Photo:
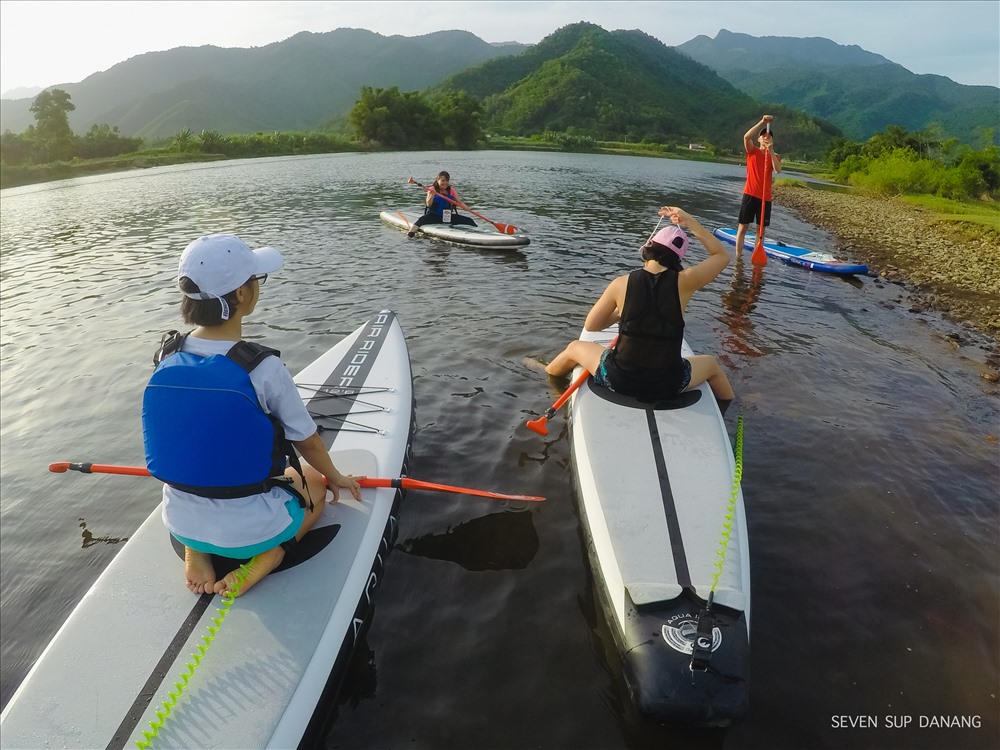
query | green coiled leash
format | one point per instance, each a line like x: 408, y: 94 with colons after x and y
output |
x: 206, y: 640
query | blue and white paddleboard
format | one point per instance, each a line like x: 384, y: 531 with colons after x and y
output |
x: 796, y: 256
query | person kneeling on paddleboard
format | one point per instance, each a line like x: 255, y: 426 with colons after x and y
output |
x: 648, y: 304
x: 438, y: 210
x: 220, y: 416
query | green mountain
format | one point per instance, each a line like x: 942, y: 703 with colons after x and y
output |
x: 622, y: 85
x: 299, y: 83
x: 859, y: 91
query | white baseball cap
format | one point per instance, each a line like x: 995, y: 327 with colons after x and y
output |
x: 222, y: 263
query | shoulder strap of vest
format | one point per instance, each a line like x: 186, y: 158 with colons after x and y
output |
x: 248, y: 354
x: 170, y: 342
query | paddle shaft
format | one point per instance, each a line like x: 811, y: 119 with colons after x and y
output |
x: 538, y: 425
x: 759, y: 256
x: 573, y: 387
x: 502, y: 228
x: 400, y: 482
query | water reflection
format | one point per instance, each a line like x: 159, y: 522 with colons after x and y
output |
x: 89, y: 540
x: 738, y: 304
x: 869, y: 433
x: 498, y: 541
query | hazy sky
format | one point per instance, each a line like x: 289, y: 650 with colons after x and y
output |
x: 44, y: 42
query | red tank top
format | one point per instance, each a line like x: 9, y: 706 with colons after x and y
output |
x: 755, y: 173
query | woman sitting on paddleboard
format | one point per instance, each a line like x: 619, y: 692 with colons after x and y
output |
x: 219, y: 418
x: 438, y: 210
x: 648, y: 304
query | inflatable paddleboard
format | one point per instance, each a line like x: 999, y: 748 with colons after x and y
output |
x: 796, y: 256
x: 271, y: 673
x: 655, y: 484
x: 483, y: 235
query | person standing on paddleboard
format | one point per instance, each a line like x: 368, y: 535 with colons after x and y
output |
x: 437, y: 210
x: 757, y: 159
x: 221, y: 415
x: 648, y: 304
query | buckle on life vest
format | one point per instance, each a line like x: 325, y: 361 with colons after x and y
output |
x: 288, y: 484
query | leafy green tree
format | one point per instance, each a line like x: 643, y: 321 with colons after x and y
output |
x: 889, y: 140
x: 839, y: 149
x: 460, y: 117
x: 104, y: 140
x: 52, y: 132
x: 15, y: 149
x: 390, y: 118
x: 986, y: 164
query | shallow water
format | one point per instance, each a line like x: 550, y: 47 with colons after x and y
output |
x: 870, y: 466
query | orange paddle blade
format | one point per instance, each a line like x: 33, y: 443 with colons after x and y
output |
x: 538, y: 425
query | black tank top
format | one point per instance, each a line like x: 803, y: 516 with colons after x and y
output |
x: 646, y: 362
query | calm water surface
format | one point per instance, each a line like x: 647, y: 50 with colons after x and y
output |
x: 871, y: 463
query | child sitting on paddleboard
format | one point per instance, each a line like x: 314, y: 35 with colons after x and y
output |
x: 757, y: 158
x: 648, y: 305
x: 437, y: 209
x: 220, y: 416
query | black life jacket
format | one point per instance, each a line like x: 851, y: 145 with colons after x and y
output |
x: 646, y: 361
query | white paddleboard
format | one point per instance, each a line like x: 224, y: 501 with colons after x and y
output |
x: 654, y: 483
x: 271, y: 673
x: 484, y: 235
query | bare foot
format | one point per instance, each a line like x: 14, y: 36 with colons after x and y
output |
x: 256, y: 569
x: 199, y: 573
x: 534, y: 363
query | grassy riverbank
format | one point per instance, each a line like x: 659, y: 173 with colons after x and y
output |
x: 62, y: 170
x: 947, y: 253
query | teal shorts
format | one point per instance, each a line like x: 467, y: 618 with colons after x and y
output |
x: 295, y: 510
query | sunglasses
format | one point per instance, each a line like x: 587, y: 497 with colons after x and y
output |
x: 261, y: 278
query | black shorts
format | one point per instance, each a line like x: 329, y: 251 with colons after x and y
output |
x: 750, y: 211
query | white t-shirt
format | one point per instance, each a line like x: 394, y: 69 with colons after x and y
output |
x: 241, y: 521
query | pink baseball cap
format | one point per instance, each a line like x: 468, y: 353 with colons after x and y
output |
x: 673, y: 238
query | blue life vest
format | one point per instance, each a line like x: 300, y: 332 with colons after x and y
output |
x: 439, y: 204
x: 203, y: 427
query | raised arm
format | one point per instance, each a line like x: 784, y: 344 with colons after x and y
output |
x: 751, y: 134
x: 694, y: 278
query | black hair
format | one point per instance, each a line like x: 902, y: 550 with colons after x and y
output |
x: 662, y: 255
x: 204, y: 312
x: 441, y: 174
x: 765, y: 131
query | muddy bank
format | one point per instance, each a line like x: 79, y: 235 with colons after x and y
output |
x: 946, y: 267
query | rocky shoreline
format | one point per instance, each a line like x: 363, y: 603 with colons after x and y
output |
x: 945, y: 266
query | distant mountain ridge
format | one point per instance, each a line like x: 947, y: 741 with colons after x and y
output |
x: 859, y: 91
x: 580, y: 78
x: 621, y: 85
x: 299, y: 83
x: 23, y: 92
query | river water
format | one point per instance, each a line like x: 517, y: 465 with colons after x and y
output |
x: 870, y: 465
